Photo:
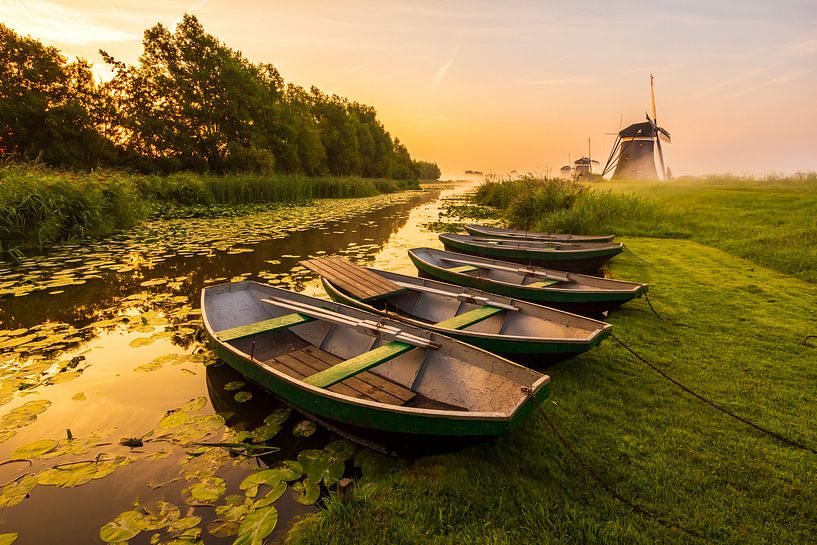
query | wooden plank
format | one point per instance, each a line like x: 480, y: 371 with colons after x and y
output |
x: 375, y: 284
x: 471, y: 317
x: 344, y: 282
x: 540, y: 284
x: 384, y: 384
x: 358, y: 383
x: 358, y: 281
x: 264, y: 326
x: 358, y: 364
x: 463, y: 268
x: 304, y: 371
x: 363, y: 274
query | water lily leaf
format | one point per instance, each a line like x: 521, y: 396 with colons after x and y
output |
x: 243, y: 397
x: 14, y: 493
x: 59, y: 378
x: 304, y: 428
x: 305, y: 492
x: 24, y: 414
x: 125, y: 526
x: 208, y: 490
x: 188, y: 537
x: 291, y: 470
x: 18, y: 341
x: 258, y: 525
x: 8, y: 539
x: 223, y: 528
x: 195, y: 404
x: 341, y: 448
x: 184, y: 524
x: 160, y: 514
x: 79, y: 396
x: 320, y: 465
x: 173, y: 419
x: 34, y: 449
x: 272, y: 496
x: 374, y: 464
x: 153, y: 282
x: 79, y: 473
x: 141, y: 341
x: 269, y: 477
x: 234, y: 385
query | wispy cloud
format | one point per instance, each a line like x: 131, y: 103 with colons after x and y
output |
x: 55, y: 23
x: 439, y: 75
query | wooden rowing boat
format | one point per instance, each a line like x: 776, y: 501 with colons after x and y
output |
x: 510, y: 327
x: 498, y: 232
x: 587, y: 295
x: 584, y: 257
x: 350, y: 366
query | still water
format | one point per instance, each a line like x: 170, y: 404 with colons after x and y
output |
x: 100, y: 342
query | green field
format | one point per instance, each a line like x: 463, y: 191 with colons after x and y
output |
x: 733, y: 331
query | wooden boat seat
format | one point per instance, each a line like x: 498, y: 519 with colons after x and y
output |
x: 264, y: 326
x: 354, y: 279
x: 540, y: 284
x: 471, y: 317
x: 353, y: 366
x: 463, y: 268
x: 306, y: 362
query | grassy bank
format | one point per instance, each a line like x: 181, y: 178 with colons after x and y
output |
x: 769, y: 221
x: 668, y: 453
x: 40, y: 206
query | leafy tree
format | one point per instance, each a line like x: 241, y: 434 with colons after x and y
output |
x: 49, y: 107
x: 427, y: 170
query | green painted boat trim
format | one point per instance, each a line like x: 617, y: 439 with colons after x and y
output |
x: 469, y: 318
x: 358, y: 364
x: 517, y: 234
x: 263, y: 326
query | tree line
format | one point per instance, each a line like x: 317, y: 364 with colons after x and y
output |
x: 190, y: 103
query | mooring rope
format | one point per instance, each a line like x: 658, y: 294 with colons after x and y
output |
x: 806, y: 343
x: 609, y: 489
x: 628, y: 250
x: 758, y: 427
x: 652, y: 308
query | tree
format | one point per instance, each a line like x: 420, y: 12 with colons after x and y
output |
x: 49, y: 107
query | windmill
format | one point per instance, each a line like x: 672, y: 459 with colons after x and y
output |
x: 633, y: 154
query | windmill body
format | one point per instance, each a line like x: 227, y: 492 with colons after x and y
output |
x: 633, y: 154
x: 636, y: 158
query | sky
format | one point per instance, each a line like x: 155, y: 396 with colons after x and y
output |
x: 513, y: 85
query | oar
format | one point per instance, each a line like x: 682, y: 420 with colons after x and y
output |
x: 523, y: 271
x: 366, y: 326
x: 467, y: 297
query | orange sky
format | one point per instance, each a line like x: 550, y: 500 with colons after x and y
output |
x: 514, y: 85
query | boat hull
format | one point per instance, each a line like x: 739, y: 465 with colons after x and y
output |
x: 531, y: 352
x: 514, y: 234
x: 586, y: 262
x: 586, y: 303
x: 373, y: 416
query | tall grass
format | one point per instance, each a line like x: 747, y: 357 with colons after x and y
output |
x: 39, y: 206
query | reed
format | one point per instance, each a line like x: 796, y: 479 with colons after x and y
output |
x: 39, y: 206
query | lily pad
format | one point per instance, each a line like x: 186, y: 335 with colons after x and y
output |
x: 320, y: 465
x: 272, y: 496
x: 243, y: 396
x: 160, y: 514
x: 208, y: 490
x: 125, y: 526
x: 79, y: 473
x: 234, y: 385
x: 8, y: 539
x: 341, y: 448
x: 305, y: 492
x: 257, y: 526
x: 304, y: 428
x: 34, y: 449
x: 14, y: 493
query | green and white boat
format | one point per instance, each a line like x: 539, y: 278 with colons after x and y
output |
x: 519, y: 234
x: 515, y: 329
x: 359, y: 369
x: 582, y: 294
x: 580, y: 257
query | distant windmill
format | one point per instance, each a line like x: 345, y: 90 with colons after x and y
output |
x: 633, y: 154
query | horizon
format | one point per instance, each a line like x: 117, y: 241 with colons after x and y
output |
x: 471, y: 86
